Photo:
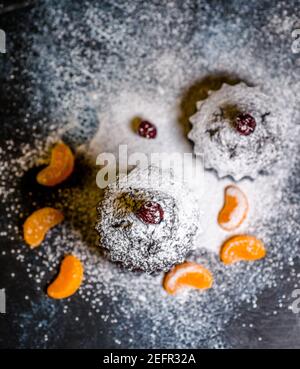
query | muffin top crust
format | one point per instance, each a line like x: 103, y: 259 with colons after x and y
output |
x: 237, y: 130
x: 147, y: 221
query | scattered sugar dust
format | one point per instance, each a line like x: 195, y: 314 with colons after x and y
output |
x: 116, y: 72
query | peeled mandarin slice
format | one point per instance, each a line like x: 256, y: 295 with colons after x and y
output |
x: 187, y: 275
x: 68, y: 280
x: 235, y: 209
x: 38, y: 224
x: 242, y: 248
x: 60, y: 168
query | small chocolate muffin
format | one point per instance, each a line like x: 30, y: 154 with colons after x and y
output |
x: 147, y: 221
x: 237, y: 130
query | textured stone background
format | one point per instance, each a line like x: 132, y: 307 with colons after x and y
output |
x: 50, y: 95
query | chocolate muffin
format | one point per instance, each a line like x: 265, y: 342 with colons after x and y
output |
x: 147, y: 221
x: 237, y: 130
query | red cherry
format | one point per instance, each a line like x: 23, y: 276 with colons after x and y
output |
x: 245, y: 124
x: 150, y: 213
x: 147, y: 129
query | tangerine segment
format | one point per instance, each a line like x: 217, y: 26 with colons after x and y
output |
x: 68, y: 280
x: 38, y: 224
x: 187, y: 275
x: 60, y: 168
x: 235, y: 209
x: 242, y: 248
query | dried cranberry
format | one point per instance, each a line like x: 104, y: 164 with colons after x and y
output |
x: 245, y: 124
x: 151, y: 213
x: 147, y: 129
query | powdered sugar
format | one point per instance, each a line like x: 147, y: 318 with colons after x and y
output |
x: 158, y: 71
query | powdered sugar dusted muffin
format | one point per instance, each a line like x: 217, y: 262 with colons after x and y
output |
x: 147, y: 220
x: 237, y: 129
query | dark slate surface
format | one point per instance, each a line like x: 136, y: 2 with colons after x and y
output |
x: 280, y: 330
